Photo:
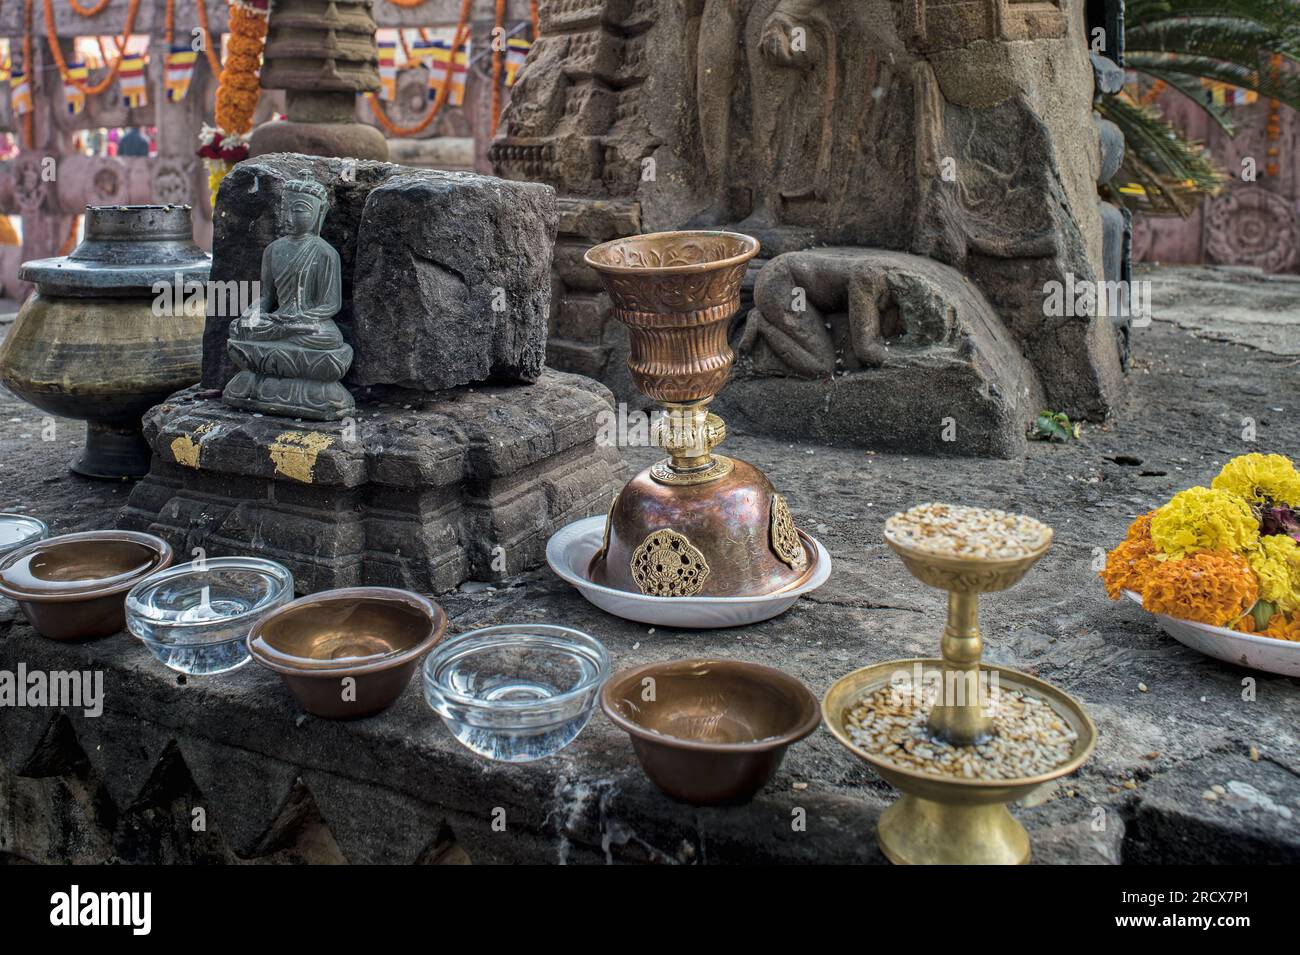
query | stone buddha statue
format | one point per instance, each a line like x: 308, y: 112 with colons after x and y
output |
x: 290, y: 353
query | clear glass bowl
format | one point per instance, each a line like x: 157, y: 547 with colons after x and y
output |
x: 17, y: 530
x: 517, y: 692
x: 195, y: 618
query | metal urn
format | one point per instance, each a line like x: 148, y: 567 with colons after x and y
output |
x: 98, y: 341
x: 695, y: 523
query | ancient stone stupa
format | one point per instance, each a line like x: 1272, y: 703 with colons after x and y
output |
x: 462, y: 454
x: 322, y: 53
x: 919, y: 173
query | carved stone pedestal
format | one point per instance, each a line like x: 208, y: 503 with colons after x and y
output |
x: 415, y: 491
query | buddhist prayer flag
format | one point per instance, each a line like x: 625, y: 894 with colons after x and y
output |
x: 516, y: 51
x: 20, y: 94
x: 179, y: 72
x: 421, y: 53
x: 440, y: 54
x: 73, y: 98
x: 131, y: 81
x: 388, y: 70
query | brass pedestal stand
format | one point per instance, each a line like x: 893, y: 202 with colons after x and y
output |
x: 941, y: 819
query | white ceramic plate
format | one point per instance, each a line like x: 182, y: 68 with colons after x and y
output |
x: 1244, y: 649
x: 569, y: 552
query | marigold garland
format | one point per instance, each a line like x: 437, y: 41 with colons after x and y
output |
x: 92, y: 89
x: 1215, y: 588
x: 214, y: 62
x: 238, y: 91
x: 1201, y: 518
x: 444, y: 91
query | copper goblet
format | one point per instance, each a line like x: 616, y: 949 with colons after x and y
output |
x: 695, y: 523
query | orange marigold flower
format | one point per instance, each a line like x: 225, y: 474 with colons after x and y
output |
x: 1209, y: 587
x: 1127, y: 566
x: 1281, y: 626
x: 1141, y: 527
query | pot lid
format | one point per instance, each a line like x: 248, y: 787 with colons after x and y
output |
x: 126, y: 251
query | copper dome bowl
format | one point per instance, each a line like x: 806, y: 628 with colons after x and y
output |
x: 733, y: 537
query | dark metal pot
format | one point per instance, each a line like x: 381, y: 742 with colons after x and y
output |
x: 96, y: 342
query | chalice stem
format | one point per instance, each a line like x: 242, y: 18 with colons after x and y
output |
x: 958, y: 715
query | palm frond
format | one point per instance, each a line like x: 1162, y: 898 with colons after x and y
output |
x: 1162, y: 173
x: 1217, y: 37
x: 1198, y: 94
x: 1283, y: 85
x: 1279, y: 14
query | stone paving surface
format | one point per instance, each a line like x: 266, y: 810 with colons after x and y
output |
x: 278, y: 785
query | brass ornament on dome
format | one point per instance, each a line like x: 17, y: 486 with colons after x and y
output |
x: 695, y: 523
x: 667, y: 564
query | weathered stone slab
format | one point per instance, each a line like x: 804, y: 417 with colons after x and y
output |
x: 446, y: 280
x: 424, y: 495
x: 452, y: 282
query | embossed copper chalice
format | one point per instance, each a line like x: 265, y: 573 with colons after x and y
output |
x: 695, y: 523
x: 950, y: 819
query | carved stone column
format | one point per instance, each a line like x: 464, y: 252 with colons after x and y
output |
x: 322, y: 53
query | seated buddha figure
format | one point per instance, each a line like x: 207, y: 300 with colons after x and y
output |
x: 290, y: 353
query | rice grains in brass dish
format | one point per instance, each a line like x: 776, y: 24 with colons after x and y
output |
x: 959, y: 738
x: 695, y: 524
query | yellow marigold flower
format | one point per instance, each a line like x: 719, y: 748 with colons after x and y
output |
x: 1127, y: 566
x: 1260, y: 479
x: 1276, y: 562
x: 1140, y: 529
x: 1200, y: 519
x: 1214, y: 588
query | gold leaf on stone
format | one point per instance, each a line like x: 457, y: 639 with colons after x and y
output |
x: 185, y: 449
x: 294, y: 453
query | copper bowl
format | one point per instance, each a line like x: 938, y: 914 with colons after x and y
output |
x: 710, y: 732
x: 73, y: 587
x: 348, y: 653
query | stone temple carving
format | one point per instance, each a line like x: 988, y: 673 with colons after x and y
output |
x: 954, y: 132
x: 290, y: 352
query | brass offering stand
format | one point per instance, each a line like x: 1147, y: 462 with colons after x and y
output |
x: 950, y: 820
x: 695, y: 523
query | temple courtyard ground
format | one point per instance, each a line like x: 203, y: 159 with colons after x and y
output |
x: 1220, y: 360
